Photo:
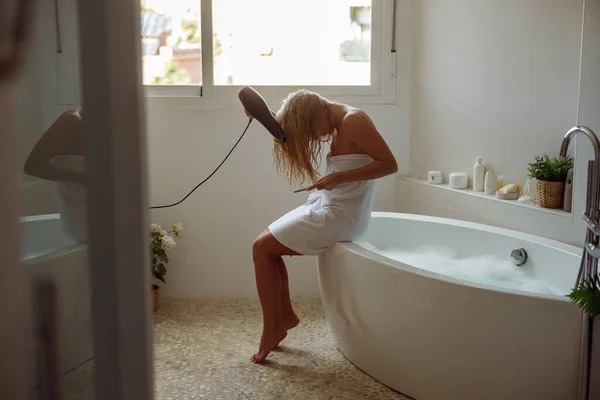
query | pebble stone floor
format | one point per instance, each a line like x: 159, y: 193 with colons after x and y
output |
x: 202, y: 350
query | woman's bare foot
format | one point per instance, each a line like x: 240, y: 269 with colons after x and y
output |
x: 267, y: 343
x: 290, y: 321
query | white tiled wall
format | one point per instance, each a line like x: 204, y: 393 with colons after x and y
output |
x: 500, y: 79
x: 493, y: 78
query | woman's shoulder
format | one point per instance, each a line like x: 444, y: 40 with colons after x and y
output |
x: 356, y: 118
x: 72, y: 115
x: 66, y: 130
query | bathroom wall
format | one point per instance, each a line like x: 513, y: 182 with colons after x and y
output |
x: 589, y: 103
x: 493, y: 78
x: 224, y: 216
x: 502, y: 82
x: 35, y: 197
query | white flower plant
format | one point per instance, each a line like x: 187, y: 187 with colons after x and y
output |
x: 161, y: 242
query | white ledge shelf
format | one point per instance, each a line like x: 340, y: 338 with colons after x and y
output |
x: 471, y: 192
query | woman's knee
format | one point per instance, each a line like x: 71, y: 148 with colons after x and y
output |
x: 263, y: 246
x: 267, y: 246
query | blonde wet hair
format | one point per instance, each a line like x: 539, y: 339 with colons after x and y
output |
x: 298, y: 159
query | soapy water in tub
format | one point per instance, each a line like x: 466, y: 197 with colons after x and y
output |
x: 483, y: 269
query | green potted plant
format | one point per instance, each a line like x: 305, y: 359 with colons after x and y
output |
x: 587, y: 297
x: 161, y: 241
x: 550, y: 175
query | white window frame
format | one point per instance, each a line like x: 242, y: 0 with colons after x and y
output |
x: 68, y: 65
x: 381, y: 91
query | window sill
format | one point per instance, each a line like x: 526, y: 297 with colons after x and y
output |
x: 183, y: 102
x: 471, y: 192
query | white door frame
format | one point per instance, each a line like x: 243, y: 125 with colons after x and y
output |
x: 15, y: 338
x: 117, y: 198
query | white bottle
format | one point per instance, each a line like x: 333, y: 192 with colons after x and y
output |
x: 490, y: 183
x: 478, y: 175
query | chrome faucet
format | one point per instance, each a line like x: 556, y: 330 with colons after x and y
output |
x: 589, y: 260
x: 591, y: 215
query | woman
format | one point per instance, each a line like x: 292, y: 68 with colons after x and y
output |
x: 340, y: 208
x: 58, y: 156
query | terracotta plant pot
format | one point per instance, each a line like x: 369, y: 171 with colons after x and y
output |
x: 549, y: 194
x: 155, y: 290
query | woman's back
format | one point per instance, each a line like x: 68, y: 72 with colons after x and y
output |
x: 71, y: 198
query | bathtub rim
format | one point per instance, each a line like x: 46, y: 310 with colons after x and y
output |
x: 361, y: 251
x: 41, y: 217
x: 63, y: 251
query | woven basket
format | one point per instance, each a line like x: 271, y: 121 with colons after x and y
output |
x: 549, y: 194
x: 155, y: 289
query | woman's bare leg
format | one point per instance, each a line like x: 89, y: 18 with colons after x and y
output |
x: 265, y: 253
x: 288, y: 317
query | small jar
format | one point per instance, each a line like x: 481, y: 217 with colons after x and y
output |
x: 499, y: 182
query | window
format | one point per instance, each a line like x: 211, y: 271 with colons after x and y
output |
x: 210, y: 48
x: 335, y: 47
x: 283, y: 42
x: 171, y: 42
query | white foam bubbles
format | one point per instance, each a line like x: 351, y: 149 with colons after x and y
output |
x: 484, y: 269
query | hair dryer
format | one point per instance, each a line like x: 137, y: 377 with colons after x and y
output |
x: 257, y: 106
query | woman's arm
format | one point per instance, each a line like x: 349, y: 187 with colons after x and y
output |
x: 61, y: 138
x: 362, y: 132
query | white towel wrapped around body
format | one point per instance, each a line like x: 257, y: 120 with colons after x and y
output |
x: 328, y: 217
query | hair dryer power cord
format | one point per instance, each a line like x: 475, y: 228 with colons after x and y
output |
x: 210, y: 176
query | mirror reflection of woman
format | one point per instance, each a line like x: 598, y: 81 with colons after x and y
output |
x: 58, y: 156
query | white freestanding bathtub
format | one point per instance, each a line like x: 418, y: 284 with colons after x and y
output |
x: 456, y: 336
x: 49, y: 252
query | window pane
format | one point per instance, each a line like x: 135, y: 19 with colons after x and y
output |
x: 171, y: 39
x: 292, y: 42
